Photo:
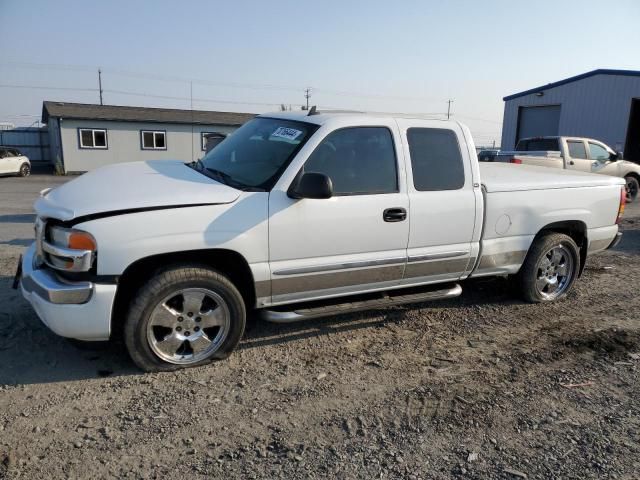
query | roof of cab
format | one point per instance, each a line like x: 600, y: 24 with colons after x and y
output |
x: 323, y: 116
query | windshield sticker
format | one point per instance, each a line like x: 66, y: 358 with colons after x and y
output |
x: 286, y: 133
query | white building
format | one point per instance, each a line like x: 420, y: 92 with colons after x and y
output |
x: 84, y: 136
x: 602, y: 104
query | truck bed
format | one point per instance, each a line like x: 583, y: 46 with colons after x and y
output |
x: 507, y: 177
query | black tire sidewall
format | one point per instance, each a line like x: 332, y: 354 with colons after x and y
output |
x: 529, y: 271
x: 159, y: 287
x: 635, y: 180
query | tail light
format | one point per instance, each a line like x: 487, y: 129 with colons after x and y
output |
x: 623, y: 200
x: 515, y: 160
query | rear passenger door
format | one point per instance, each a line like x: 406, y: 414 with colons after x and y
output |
x: 446, y: 201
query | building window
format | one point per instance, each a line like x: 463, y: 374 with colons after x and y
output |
x: 92, y: 138
x: 213, y: 137
x: 153, y: 139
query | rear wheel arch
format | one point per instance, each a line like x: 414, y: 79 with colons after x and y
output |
x: 227, y: 262
x: 575, y: 229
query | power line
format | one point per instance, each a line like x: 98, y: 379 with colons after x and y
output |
x: 39, y: 87
x: 216, y: 83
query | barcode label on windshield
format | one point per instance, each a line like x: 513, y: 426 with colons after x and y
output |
x: 286, y: 133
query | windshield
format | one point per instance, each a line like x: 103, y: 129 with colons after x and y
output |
x: 257, y: 153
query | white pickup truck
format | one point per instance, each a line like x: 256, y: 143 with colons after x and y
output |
x: 297, y: 216
x: 575, y: 153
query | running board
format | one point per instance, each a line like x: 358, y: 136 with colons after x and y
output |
x: 382, y: 300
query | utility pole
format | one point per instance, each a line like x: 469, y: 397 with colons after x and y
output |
x: 449, y: 102
x: 494, y: 144
x: 100, y: 84
x: 307, y: 95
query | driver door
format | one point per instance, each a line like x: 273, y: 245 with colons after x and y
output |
x: 348, y: 243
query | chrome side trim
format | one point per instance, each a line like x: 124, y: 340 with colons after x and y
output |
x: 386, y: 301
x: 437, y: 256
x: 324, y: 281
x: 340, y: 266
x: 440, y: 267
x: 47, y: 286
x: 82, y: 259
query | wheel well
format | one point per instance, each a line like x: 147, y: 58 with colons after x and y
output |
x: 575, y: 229
x: 228, y: 262
x: 634, y: 175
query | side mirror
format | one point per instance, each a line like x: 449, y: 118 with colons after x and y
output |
x: 614, y: 157
x: 311, y: 185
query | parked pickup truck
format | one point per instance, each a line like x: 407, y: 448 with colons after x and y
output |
x: 575, y: 153
x: 297, y: 216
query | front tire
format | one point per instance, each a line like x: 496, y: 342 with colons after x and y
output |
x: 550, y: 268
x: 25, y: 170
x: 632, y: 188
x: 184, y: 317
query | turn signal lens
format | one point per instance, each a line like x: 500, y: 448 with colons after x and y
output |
x: 82, y: 241
x: 74, y: 239
x: 623, y: 201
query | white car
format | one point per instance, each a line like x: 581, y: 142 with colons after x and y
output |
x: 298, y: 216
x: 13, y: 162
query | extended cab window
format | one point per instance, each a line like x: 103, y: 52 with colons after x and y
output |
x: 576, y: 149
x: 598, y: 152
x: 359, y: 160
x: 436, y: 160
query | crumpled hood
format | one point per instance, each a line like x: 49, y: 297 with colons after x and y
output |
x: 133, y: 186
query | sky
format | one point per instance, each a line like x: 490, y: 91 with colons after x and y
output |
x: 252, y: 56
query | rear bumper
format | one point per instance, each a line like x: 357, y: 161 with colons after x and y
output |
x: 80, y: 310
x: 614, y: 243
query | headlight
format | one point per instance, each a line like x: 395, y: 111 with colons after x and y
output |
x: 73, y: 239
x: 69, y: 249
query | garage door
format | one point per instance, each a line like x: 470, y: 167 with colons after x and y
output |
x: 538, y: 121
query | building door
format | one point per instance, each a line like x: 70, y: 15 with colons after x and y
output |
x: 538, y: 121
x: 632, y: 145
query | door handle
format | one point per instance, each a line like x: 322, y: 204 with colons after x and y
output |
x: 571, y: 162
x: 394, y: 214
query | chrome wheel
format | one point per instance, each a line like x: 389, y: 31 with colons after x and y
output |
x: 188, y: 326
x: 555, y: 272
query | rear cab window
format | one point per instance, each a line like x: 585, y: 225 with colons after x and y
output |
x: 538, y: 144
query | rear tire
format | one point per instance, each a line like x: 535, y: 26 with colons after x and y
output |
x: 25, y: 170
x: 632, y: 188
x: 184, y: 317
x: 550, y: 268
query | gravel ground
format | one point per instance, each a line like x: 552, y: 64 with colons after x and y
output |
x: 483, y: 386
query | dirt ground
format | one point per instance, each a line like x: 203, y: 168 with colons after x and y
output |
x: 483, y: 386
